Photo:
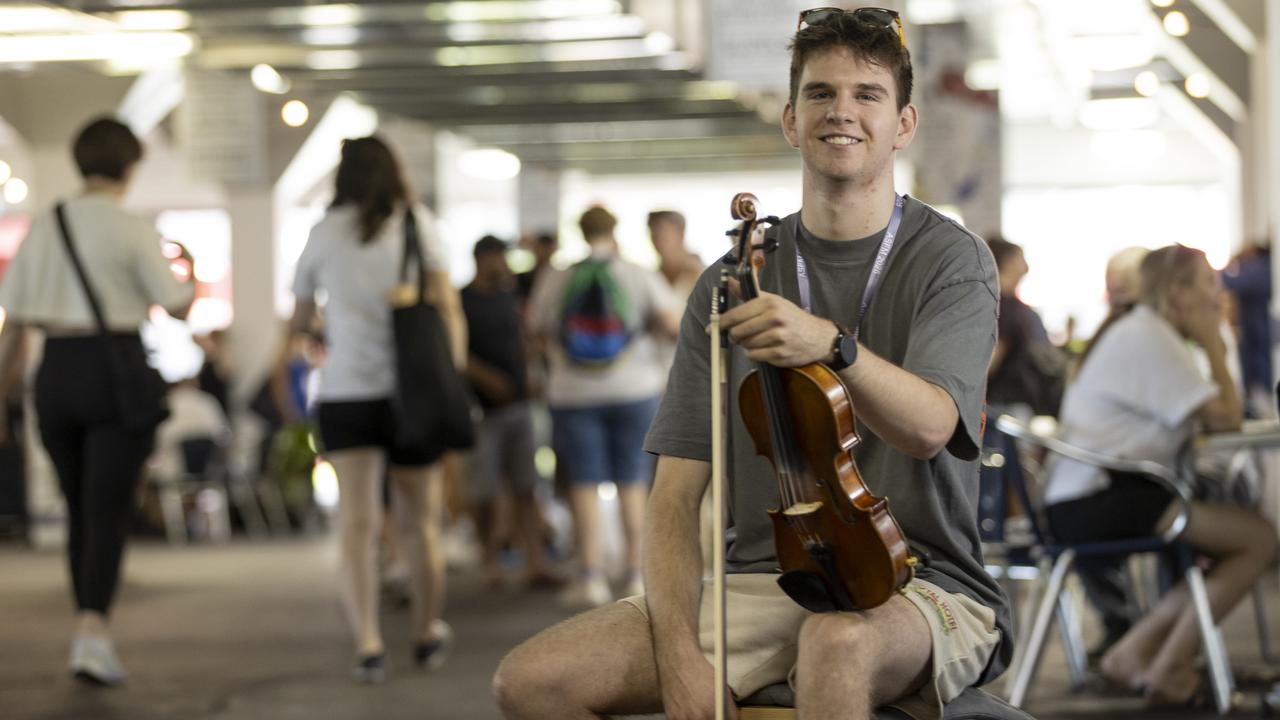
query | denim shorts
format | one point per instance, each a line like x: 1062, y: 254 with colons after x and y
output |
x: 604, y: 442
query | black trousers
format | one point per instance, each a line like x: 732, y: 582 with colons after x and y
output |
x: 98, y: 462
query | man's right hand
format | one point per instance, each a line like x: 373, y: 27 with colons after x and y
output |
x: 688, y: 691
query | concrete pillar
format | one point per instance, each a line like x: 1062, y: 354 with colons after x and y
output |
x: 255, y: 332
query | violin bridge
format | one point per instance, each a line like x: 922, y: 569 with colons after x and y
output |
x: 804, y: 508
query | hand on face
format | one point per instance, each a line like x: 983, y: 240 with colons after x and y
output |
x: 775, y: 330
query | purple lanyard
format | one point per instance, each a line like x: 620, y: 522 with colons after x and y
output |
x: 882, y: 255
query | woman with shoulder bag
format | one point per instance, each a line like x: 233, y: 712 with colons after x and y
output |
x: 87, y: 274
x: 356, y: 255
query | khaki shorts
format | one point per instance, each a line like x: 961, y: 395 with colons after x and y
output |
x: 764, y: 628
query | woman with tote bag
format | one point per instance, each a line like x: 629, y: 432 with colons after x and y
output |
x: 355, y: 255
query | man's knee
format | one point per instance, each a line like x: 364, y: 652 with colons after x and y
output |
x: 520, y: 677
x: 830, y: 636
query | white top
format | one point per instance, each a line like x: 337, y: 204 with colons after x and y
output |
x: 640, y: 373
x: 1135, y: 398
x: 357, y: 279
x: 121, y: 255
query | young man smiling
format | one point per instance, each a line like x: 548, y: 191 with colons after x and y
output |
x: 911, y: 342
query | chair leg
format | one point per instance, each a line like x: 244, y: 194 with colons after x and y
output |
x: 1214, y: 650
x: 1072, y: 636
x: 1039, y: 630
x: 175, y: 518
x: 1264, y: 628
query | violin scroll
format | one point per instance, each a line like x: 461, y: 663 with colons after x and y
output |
x: 743, y: 206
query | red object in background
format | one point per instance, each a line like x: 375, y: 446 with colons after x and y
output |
x: 13, y: 228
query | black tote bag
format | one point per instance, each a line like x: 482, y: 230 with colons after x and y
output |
x: 140, y: 394
x: 432, y: 406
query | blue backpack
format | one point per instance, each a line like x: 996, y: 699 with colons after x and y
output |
x: 594, y: 325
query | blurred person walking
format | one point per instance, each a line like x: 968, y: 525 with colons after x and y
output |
x: 354, y: 255
x: 504, y: 450
x: 599, y: 321
x: 97, y: 399
x: 680, y: 267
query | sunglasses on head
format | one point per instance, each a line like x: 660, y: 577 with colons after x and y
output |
x: 881, y: 17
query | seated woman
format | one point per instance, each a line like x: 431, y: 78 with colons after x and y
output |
x: 1140, y: 396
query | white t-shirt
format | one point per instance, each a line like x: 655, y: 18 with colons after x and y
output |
x: 357, y: 279
x: 1135, y: 398
x: 121, y: 255
x: 193, y: 413
x: 640, y: 373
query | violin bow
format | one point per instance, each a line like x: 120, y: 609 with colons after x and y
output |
x: 719, y: 376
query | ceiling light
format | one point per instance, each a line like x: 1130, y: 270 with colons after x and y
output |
x: 6, y: 172
x: 330, y: 35
x: 1162, y: 3
x: 15, y: 191
x: 130, y: 48
x: 28, y: 18
x: 1197, y: 85
x: 295, y: 113
x: 492, y: 10
x: 489, y: 164
x: 153, y: 20
x: 266, y: 79
x: 322, y: 15
x: 658, y: 43
x: 1113, y: 52
x: 1119, y: 114
x: 1147, y: 83
x: 1176, y: 24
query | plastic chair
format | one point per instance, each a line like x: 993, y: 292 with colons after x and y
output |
x: 777, y: 702
x: 1058, y: 558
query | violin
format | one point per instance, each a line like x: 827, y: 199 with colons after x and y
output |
x: 839, y: 547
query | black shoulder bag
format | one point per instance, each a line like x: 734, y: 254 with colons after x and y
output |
x: 431, y: 404
x: 138, y: 390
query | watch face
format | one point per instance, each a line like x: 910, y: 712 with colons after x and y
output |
x: 848, y: 350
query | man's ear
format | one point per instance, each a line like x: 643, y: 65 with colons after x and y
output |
x: 789, y: 125
x: 907, y: 122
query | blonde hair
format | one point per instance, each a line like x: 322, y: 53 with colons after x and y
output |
x: 1164, y: 269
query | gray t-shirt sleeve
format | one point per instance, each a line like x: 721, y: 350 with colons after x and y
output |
x: 953, y: 335
x: 682, y: 426
x: 305, y: 274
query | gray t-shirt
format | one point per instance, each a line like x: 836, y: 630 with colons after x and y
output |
x: 934, y: 315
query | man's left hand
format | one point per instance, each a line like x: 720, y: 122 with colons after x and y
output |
x: 775, y: 330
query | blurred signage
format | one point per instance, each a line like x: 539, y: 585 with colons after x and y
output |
x: 223, y: 128
x: 746, y: 41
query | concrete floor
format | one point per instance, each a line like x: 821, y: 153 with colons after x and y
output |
x: 252, y: 631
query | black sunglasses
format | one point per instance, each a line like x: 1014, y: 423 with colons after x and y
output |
x: 882, y: 17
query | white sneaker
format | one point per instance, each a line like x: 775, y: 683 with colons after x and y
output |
x: 432, y: 654
x: 590, y: 591
x: 93, y: 659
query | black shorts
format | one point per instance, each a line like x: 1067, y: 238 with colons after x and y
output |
x: 366, y: 423
x: 1129, y: 508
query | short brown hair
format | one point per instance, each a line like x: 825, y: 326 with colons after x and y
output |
x: 597, y: 221
x: 670, y: 216
x: 874, y: 43
x: 107, y: 148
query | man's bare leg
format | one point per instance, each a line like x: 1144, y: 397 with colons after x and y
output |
x: 851, y: 663
x: 597, y: 663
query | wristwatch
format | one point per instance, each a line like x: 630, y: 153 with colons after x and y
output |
x: 844, y: 351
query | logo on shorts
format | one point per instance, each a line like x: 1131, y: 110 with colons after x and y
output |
x: 942, y: 607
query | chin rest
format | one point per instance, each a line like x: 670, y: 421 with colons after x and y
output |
x: 776, y: 702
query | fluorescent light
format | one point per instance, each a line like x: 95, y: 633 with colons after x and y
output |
x: 519, y: 10
x: 1119, y: 114
x: 659, y: 42
x: 27, y: 18
x: 265, y: 78
x: 295, y: 113
x: 1162, y: 3
x: 1113, y: 52
x: 489, y: 164
x: 1176, y: 24
x: 153, y: 20
x: 1197, y: 85
x: 152, y: 96
x: 1147, y: 83
x: 15, y: 191
x: 6, y: 172
x: 323, y: 15
x: 333, y: 60
x: 118, y: 47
